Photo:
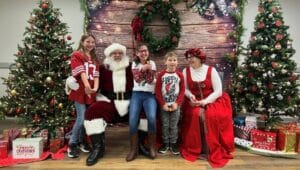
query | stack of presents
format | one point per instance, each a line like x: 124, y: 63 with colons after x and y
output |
x: 250, y: 132
x: 27, y: 143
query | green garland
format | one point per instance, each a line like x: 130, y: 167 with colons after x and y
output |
x: 166, y: 11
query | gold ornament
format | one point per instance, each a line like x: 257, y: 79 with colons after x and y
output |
x: 18, y: 65
x: 60, y: 105
x: 13, y: 92
x: 49, y: 80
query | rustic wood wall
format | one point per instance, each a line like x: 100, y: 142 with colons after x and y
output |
x: 112, y: 24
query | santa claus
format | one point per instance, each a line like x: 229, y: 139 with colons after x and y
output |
x: 115, y: 85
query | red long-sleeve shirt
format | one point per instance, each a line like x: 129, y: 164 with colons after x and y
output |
x: 169, y: 87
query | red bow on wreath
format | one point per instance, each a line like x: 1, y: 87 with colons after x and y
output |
x: 137, y: 26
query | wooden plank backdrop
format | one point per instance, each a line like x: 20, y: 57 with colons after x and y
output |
x: 112, y: 24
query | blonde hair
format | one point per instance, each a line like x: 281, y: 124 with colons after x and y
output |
x: 170, y: 54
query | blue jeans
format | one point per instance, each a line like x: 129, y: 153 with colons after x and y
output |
x: 142, y: 100
x: 78, y: 131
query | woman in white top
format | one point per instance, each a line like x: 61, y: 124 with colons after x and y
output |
x: 142, y: 99
x: 206, y: 113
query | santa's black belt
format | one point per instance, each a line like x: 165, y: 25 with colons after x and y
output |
x: 117, y: 95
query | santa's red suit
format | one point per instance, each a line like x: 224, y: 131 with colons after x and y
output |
x: 218, y: 122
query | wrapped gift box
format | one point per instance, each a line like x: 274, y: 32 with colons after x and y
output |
x: 263, y: 140
x: 3, y: 149
x: 242, y: 132
x: 251, y: 122
x: 297, y: 148
x: 55, y: 145
x: 239, y: 120
x: 44, y: 134
x: 60, y: 134
x: 286, y: 140
x: 27, y: 148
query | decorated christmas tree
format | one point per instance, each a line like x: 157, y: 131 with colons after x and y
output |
x: 266, y: 82
x: 35, y: 85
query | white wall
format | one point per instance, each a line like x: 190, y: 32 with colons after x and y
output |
x: 15, y: 13
x: 290, y: 9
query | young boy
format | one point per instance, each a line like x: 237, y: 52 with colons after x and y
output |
x: 169, y: 93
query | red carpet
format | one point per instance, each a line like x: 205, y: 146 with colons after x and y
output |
x: 9, y: 161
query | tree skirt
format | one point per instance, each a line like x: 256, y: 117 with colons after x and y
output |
x: 9, y: 161
x: 244, y: 144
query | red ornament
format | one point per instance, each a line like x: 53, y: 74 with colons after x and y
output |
x: 270, y: 86
x: 73, y: 113
x: 18, y: 110
x: 36, y: 118
x: 279, y: 37
x: 293, y: 77
x: 69, y: 37
x: 174, y: 39
x: 277, y: 46
x: 52, y: 102
x: 255, y: 53
x: 275, y: 64
x: 66, y: 57
x: 261, y: 25
x: 250, y: 75
x: 44, y: 6
x: 274, y: 9
x: 278, y: 23
x: 254, y: 88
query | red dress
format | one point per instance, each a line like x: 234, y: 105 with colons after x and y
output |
x: 218, y: 120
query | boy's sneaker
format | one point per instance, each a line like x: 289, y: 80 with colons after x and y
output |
x: 85, y: 148
x: 164, y: 148
x: 174, y: 149
x: 73, y: 151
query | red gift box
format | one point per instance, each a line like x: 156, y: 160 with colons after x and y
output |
x: 3, y: 149
x: 263, y: 140
x: 242, y: 132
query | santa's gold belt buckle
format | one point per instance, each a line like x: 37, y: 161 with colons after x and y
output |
x: 120, y: 96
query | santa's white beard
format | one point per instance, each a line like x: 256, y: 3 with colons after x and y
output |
x: 116, y: 65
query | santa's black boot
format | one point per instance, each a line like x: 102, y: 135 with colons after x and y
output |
x: 98, y: 149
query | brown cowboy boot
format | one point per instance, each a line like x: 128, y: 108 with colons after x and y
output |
x: 133, y: 148
x: 152, y: 142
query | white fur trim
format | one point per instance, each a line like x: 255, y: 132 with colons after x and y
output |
x: 122, y: 106
x: 113, y: 47
x: 71, y: 82
x: 101, y: 97
x: 67, y: 89
x: 95, y: 126
x: 119, y: 80
x: 143, y: 125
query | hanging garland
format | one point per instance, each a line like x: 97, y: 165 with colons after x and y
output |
x: 145, y: 15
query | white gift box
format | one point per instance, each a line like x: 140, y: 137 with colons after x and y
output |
x: 27, y: 148
x: 251, y: 122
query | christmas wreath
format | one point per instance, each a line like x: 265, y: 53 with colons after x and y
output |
x: 145, y: 15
